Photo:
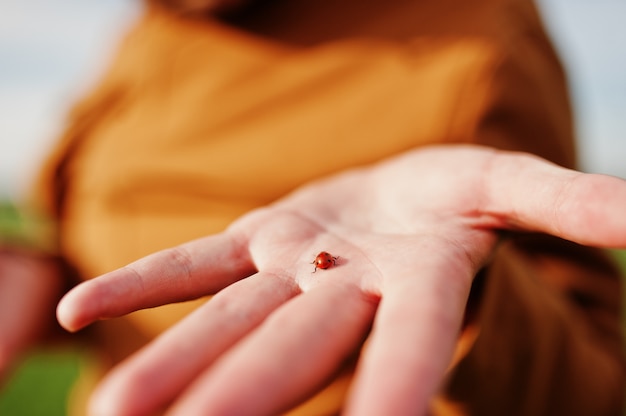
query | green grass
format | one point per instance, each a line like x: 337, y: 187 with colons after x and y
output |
x: 620, y: 256
x: 41, y: 384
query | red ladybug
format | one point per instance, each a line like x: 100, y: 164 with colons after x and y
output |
x: 324, y: 260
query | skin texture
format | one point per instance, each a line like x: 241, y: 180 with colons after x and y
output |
x: 411, y: 231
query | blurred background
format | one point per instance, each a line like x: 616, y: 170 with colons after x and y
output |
x: 52, y: 50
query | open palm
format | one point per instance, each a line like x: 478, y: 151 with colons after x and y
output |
x: 410, y: 234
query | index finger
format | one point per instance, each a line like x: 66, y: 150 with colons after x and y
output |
x: 191, y: 270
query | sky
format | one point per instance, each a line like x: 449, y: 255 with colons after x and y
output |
x: 590, y: 36
x: 52, y: 50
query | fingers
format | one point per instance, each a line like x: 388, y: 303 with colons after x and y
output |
x: 530, y: 193
x: 154, y: 377
x: 294, y: 353
x: 185, y: 272
x: 410, y: 346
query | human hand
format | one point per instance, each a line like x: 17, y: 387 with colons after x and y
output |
x: 410, y: 233
x: 30, y: 286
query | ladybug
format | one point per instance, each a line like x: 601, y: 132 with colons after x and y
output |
x: 324, y: 260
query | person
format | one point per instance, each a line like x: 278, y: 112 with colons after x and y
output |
x: 427, y: 146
